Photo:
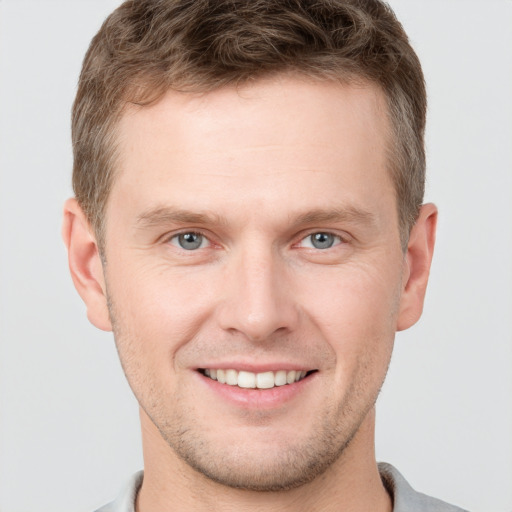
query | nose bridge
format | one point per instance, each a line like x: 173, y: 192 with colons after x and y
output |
x: 257, y: 301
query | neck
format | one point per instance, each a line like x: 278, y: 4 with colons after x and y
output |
x: 351, y: 483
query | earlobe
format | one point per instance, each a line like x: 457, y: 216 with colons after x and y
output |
x: 85, y: 264
x: 418, y: 259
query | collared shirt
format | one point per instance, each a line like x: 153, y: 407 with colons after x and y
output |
x: 405, y: 498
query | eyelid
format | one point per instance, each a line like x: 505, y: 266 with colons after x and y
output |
x: 168, y: 237
x: 342, y: 238
x: 205, y: 242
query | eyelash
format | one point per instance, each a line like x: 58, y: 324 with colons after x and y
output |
x: 192, y: 232
x: 337, y: 240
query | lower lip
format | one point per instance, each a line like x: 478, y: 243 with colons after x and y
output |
x: 258, y: 398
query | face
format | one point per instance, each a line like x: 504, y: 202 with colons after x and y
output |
x: 254, y: 273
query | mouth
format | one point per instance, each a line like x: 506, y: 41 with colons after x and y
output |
x: 250, y: 380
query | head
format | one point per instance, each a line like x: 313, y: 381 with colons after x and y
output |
x: 248, y: 222
x: 146, y: 48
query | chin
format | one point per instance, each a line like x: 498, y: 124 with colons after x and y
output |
x: 268, y: 472
x: 277, y: 464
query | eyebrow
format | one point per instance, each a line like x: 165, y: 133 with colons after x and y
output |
x: 350, y: 214
x: 163, y: 215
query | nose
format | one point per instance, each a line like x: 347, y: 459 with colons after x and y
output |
x: 258, y: 296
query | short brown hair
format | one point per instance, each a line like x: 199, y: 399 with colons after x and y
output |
x: 146, y: 47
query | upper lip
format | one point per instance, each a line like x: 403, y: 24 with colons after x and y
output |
x: 255, y: 368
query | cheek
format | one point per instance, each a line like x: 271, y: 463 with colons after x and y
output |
x: 159, y: 307
x: 356, y: 312
x: 353, y: 297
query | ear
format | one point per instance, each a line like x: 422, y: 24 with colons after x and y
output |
x: 85, y: 264
x: 417, y: 267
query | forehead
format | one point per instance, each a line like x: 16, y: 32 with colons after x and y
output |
x: 263, y: 138
x: 274, y: 103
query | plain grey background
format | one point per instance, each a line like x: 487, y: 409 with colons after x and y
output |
x: 69, y: 432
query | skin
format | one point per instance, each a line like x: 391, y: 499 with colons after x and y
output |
x: 256, y: 171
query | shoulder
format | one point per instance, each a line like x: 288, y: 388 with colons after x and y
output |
x: 125, y: 502
x: 406, y: 499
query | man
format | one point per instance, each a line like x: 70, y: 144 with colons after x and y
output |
x: 248, y: 221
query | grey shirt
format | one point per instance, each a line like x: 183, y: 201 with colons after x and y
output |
x: 405, y: 498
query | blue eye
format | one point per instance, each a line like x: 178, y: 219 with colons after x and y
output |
x: 320, y: 240
x: 189, y: 241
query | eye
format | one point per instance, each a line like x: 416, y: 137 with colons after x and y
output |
x: 320, y: 240
x: 189, y: 241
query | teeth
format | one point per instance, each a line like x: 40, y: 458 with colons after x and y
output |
x: 232, y: 377
x: 249, y: 380
x: 246, y: 380
x: 280, y: 378
x: 265, y: 380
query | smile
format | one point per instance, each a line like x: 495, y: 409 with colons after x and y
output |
x: 249, y: 380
